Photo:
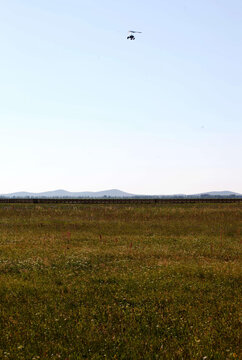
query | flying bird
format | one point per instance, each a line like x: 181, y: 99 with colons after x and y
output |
x: 131, y: 34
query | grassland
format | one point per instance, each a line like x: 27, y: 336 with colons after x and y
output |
x: 120, y: 281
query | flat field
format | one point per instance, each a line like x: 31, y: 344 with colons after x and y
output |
x: 120, y: 281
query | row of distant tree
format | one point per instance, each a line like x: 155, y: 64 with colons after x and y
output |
x: 201, y: 196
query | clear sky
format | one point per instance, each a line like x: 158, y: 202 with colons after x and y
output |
x: 82, y: 108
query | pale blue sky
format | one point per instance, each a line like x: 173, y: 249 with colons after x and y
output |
x: 82, y: 108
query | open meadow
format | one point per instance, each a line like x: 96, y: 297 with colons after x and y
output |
x: 120, y: 281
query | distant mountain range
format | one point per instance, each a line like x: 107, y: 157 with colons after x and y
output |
x: 67, y: 194
x: 114, y: 193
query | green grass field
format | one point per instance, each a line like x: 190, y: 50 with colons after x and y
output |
x: 120, y: 281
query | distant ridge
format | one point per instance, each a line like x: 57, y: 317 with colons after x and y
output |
x: 113, y: 193
x: 64, y: 193
x: 220, y: 193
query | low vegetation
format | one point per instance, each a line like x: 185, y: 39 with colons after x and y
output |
x: 120, y: 281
